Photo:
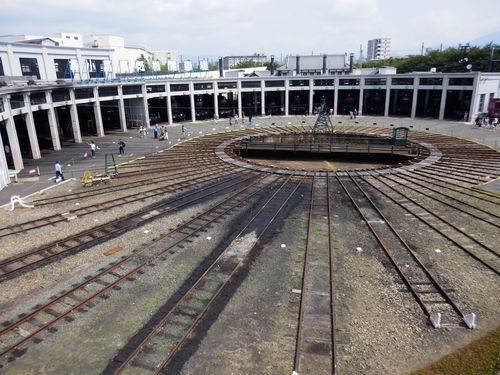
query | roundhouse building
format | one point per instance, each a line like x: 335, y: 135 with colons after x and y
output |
x: 35, y: 117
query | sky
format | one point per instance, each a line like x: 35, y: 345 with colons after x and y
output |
x: 211, y: 28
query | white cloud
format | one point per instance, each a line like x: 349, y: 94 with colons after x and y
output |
x: 221, y: 27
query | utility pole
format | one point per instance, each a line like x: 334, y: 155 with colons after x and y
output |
x: 422, y: 49
x: 492, y: 54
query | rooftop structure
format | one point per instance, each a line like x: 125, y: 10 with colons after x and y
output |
x: 315, y: 65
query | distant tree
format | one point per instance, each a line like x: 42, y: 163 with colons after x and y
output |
x: 255, y: 64
x: 247, y: 64
x: 274, y: 64
x: 212, y: 66
x: 147, y: 63
x: 451, y: 60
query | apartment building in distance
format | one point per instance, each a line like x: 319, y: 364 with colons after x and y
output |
x: 379, y: 49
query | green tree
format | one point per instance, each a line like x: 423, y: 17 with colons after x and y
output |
x: 451, y: 60
x: 274, y: 64
x: 147, y: 64
x: 247, y: 64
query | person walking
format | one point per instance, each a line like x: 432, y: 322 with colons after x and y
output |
x: 250, y: 115
x: 155, y: 132
x: 93, y: 148
x: 355, y: 113
x: 59, y: 173
x: 165, y: 135
x: 121, y: 144
x: 183, y: 130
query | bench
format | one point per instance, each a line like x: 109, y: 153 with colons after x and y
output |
x: 13, y: 174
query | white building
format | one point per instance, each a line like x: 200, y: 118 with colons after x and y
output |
x: 379, y: 49
x: 124, y: 57
x: 44, y: 59
x: 165, y: 56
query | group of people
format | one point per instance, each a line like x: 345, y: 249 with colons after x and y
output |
x: 161, y: 133
x: 488, y: 123
x: 234, y: 117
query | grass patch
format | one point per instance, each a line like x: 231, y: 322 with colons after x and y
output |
x: 480, y: 357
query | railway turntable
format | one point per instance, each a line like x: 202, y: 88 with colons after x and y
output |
x: 280, y: 249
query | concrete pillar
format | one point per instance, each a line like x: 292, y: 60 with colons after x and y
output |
x: 15, y: 149
x: 121, y: 109
x: 30, y: 125
x: 336, y: 97
x: 287, y: 96
x: 75, y: 121
x: 4, y: 168
x: 387, y: 96
x: 263, y: 98
x: 97, y: 114
x: 444, y: 92
x: 169, y: 104
x: 53, y: 123
x: 475, y: 98
x: 192, y: 106
x: 146, y: 108
x: 216, y: 101
x: 238, y: 88
x: 414, y: 98
x: 311, y: 95
x: 361, y: 95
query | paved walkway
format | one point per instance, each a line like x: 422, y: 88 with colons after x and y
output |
x: 74, y: 163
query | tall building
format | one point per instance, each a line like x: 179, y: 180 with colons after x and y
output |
x: 379, y: 49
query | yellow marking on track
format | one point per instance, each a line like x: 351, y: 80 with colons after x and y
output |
x: 329, y: 165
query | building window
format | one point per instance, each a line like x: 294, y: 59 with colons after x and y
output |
x: 67, y: 36
x: 226, y: 85
x: 349, y: 82
x: 76, y: 38
x: 250, y: 84
x: 179, y: 87
x: 275, y: 83
x: 1, y: 68
x: 60, y: 66
x: 299, y: 82
x: 203, y: 86
x: 29, y: 67
x: 402, y: 81
x: 324, y: 82
x: 466, y: 81
x: 374, y: 81
x: 481, y: 102
x: 431, y: 81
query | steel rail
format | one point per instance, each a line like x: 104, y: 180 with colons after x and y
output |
x: 116, y: 226
x: 112, y: 203
x: 448, y: 237
x: 401, y: 176
x: 199, y: 280
x: 206, y: 223
x: 391, y: 256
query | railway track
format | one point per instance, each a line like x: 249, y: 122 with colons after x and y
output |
x: 189, y: 182
x: 479, y: 251
x: 16, y: 265
x: 16, y: 335
x: 159, y: 346
x: 315, y: 342
x: 437, y: 304
x: 482, y: 215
